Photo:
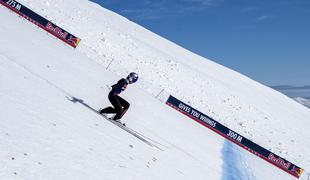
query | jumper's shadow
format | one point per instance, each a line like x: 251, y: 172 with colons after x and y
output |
x: 81, y: 101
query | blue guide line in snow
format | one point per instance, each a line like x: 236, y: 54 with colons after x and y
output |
x: 234, y: 167
x: 234, y: 137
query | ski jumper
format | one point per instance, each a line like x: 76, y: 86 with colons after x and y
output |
x: 120, y: 105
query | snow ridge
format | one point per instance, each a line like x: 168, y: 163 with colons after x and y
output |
x: 303, y: 101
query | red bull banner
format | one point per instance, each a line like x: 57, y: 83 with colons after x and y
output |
x: 234, y: 137
x: 40, y: 21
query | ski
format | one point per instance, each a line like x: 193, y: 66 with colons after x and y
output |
x: 111, y: 119
x: 130, y: 131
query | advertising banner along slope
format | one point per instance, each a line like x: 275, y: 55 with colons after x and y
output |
x: 234, y: 137
x: 41, y: 22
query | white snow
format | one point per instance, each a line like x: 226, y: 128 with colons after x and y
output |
x: 44, y: 135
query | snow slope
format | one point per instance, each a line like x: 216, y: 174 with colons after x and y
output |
x: 44, y: 135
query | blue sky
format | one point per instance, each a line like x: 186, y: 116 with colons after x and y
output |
x: 267, y: 40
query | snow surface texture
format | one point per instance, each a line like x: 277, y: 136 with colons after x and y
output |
x: 45, y: 135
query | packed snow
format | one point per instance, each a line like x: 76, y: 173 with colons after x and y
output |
x: 49, y: 91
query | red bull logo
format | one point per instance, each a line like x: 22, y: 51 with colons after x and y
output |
x: 279, y: 161
x: 296, y: 170
x: 74, y: 40
x: 56, y: 30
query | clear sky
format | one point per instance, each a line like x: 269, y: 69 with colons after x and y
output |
x: 267, y: 40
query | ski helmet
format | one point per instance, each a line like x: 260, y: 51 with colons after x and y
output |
x: 132, y: 77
